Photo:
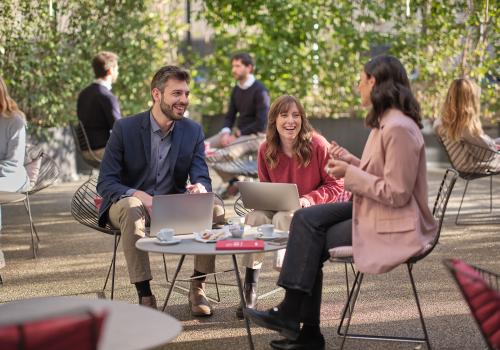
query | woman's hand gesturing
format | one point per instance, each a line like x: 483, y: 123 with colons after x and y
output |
x: 336, y: 168
x: 339, y: 152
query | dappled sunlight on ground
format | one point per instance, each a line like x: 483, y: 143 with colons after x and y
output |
x: 73, y: 260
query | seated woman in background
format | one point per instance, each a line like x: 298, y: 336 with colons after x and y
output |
x: 460, y: 122
x: 13, y: 177
x: 387, y: 222
x: 292, y: 153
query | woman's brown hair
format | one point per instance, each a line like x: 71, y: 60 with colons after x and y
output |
x: 301, y: 145
x: 461, y: 110
x: 8, y: 107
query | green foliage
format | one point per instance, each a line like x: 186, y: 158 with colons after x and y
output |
x: 45, y: 53
x: 315, y: 49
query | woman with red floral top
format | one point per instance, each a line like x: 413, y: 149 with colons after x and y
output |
x: 292, y: 153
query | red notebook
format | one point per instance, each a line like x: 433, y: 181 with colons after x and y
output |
x: 246, y: 244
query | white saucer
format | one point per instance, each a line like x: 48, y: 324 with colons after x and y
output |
x: 172, y: 241
x: 269, y: 238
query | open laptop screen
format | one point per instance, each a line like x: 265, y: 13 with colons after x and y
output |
x: 185, y: 213
x: 269, y: 196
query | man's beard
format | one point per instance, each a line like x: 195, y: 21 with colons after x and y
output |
x: 240, y: 77
x: 168, y: 110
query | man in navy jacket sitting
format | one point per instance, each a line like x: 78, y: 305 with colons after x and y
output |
x: 155, y: 153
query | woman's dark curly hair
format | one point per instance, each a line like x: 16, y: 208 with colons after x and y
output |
x: 391, y: 90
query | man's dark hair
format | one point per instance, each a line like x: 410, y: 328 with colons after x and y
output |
x: 168, y: 72
x: 391, y: 90
x: 245, y: 58
x: 102, y: 62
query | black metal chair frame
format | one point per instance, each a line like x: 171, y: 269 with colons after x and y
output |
x: 484, y: 157
x: 439, y: 210
x: 47, y: 175
x: 240, y: 209
x: 490, y: 278
x: 84, y: 211
x: 82, y: 144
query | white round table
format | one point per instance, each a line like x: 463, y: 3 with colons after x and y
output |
x: 127, y: 327
x: 188, y: 246
x: 11, y: 197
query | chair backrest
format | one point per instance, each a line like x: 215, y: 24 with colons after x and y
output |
x: 480, y: 289
x: 84, y: 207
x: 244, y: 167
x: 440, y: 204
x: 471, y: 160
x: 238, y: 158
x: 82, y: 144
x: 239, y: 208
x: 49, y: 172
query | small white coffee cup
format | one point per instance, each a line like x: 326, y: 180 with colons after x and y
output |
x: 267, y: 230
x: 166, y: 234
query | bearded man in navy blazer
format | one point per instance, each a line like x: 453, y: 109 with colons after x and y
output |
x: 155, y: 153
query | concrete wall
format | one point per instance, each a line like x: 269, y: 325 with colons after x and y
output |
x: 348, y: 132
x: 59, y: 145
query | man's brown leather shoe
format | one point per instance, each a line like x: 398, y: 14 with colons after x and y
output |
x: 198, y: 302
x: 149, y: 301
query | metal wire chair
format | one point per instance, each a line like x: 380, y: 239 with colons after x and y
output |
x: 239, y: 208
x: 480, y: 289
x: 345, y: 255
x: 471, y: 162
x: 239, y: 158
x: 47, y: 175
x: 82, y: 144
x: 85, y: 211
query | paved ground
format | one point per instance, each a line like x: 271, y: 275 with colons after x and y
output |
x: 74, y: 259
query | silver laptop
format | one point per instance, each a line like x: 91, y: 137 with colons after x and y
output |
x: 185, y: 213
x: 269, y: 196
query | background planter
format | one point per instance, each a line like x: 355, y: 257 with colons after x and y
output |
x: 58, y: 143
x: 351, y: 133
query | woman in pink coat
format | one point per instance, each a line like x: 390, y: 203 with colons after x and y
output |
x: 387, y: 222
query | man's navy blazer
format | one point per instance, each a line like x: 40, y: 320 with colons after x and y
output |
x: 126, y: 162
